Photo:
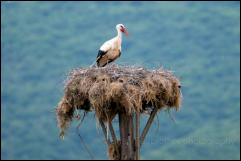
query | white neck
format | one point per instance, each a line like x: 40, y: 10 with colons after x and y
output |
x: 119, y: 34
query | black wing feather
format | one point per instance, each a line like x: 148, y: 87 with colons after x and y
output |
x: 109, y: 61
x: 101, y: 53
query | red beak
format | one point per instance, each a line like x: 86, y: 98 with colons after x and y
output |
x: 125, y: 31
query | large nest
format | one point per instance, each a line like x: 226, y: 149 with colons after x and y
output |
x: 109, y: 90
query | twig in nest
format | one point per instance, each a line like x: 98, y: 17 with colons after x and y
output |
x: 170, y: 114
x: 158, y: 124
x: 55, y: 109
x: 82, y: 141
x: 98, y: 132
x: 92, y: 157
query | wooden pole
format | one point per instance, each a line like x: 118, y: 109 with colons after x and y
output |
x: 126, y: 136
x: 148, y: 124
x: 137, y: 135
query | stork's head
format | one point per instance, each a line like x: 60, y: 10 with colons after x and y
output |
x: 122, y: 28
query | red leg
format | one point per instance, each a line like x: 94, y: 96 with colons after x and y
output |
x: 114, y: 64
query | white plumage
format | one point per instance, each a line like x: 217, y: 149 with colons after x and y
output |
x: 111, y: 49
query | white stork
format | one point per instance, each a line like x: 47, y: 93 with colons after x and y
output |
x: 111, y: 49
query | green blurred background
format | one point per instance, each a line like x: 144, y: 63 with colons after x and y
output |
x: 42, y: 41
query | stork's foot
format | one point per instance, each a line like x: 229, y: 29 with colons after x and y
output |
x: 114, y: 65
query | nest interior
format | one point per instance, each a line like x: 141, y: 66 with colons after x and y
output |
x: 109, y: 90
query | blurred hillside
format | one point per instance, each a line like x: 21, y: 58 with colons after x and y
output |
x: 42, y: 41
